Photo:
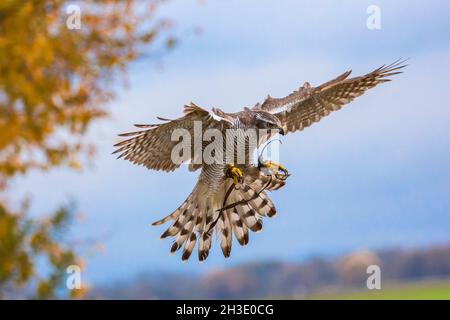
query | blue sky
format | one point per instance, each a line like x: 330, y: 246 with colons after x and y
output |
x: 375, y: 174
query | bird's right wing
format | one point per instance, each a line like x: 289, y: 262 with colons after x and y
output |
x: 152, y: 147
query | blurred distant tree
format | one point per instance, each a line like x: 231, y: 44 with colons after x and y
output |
x: 352, y: 268
x: 23, y: 242
x: 54, y: 82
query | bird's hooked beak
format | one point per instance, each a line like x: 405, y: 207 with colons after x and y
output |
x: 281, y: 131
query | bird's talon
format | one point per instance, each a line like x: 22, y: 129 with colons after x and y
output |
x: 235, y: 173
x: 277, y: 169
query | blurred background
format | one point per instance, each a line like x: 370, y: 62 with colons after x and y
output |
x: 369, y: 186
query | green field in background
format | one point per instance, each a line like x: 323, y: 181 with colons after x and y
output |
x: 418, y: 291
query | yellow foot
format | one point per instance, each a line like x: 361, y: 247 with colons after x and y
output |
x: 275, y: 168
x: 234, y: 172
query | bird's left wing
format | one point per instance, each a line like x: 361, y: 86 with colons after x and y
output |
x: 152, y: 147
x: 309, y: 104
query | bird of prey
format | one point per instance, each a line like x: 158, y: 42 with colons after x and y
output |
x: 230, y: 197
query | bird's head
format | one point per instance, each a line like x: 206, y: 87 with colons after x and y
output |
x: 266, y: 120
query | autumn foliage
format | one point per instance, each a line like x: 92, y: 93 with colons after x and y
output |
x: 54, y: 82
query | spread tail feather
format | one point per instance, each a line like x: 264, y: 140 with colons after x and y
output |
x: 202, y: 212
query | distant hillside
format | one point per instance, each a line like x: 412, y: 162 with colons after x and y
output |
x: 280, y: 279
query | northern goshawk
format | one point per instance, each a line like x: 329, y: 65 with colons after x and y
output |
x: 230, y: 196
